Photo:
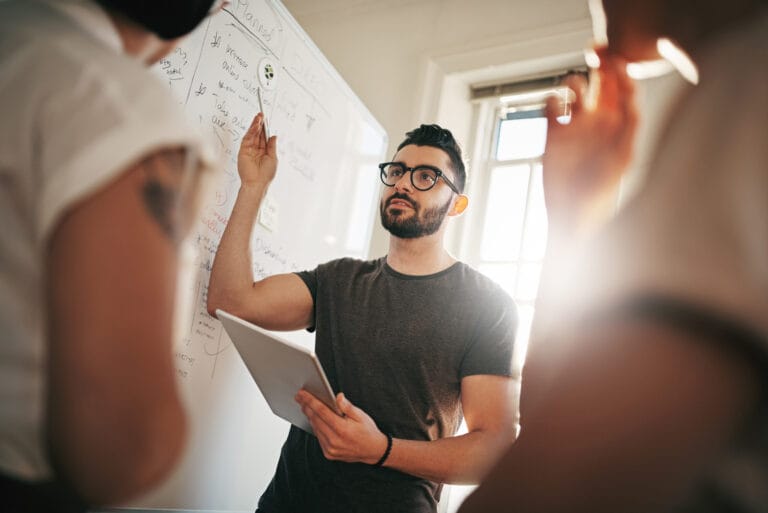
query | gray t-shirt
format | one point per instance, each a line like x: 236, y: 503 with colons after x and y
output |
x: 398, y: 347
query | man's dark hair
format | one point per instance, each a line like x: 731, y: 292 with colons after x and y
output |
x: 168, y: 19
x: 442, y: 139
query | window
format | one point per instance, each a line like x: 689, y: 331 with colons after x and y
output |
x: 505, y: 238
x: 514, y: 229
x: 504, y: 235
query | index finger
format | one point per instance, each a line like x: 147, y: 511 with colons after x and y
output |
x: 252, y: 135
x: 615, y: 84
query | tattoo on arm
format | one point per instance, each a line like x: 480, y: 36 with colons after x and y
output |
x: 161, y: 193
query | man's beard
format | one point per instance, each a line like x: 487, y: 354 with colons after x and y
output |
x: 417, y: 225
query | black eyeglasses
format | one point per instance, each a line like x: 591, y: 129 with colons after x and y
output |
x: 423, y: 177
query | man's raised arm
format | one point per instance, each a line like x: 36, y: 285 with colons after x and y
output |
x: 280, y: 302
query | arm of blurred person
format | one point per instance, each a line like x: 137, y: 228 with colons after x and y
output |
x: 115, y: 422
x: 628, y: 420
x: 583, y: 163
x: 279, y: 302
x: 585, y: 158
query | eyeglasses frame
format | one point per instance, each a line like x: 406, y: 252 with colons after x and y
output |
x: 406, y: 169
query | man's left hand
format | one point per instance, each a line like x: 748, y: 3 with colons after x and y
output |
x: 351, y: 438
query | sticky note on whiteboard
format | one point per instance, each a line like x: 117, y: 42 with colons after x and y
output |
x: 268, y: 214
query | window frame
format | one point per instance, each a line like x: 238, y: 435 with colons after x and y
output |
x: 467, y: 238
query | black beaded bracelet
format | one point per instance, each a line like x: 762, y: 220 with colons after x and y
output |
x: 386, y: 453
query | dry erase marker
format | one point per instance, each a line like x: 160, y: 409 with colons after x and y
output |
x: 261, y: 108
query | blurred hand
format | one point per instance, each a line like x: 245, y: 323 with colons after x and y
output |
x: 257, y: 158
x: 585, y: 159
x: 352, y: 438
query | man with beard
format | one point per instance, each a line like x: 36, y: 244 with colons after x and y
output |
x: 412, y: 341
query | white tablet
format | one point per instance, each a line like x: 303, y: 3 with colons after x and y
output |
x: 280, y: 369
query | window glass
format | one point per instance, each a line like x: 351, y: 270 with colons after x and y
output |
x: 525, y: 319
x: 535, y: 232
x: 505, y: 213
x: 527, y: 281
x: 503, y: 274
x: 521, y: 137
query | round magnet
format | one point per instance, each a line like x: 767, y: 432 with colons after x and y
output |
x: 267, y: 73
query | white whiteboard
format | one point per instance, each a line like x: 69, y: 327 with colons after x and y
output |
x: 320, y: 206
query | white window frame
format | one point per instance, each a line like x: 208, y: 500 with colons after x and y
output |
x: 466, y: 237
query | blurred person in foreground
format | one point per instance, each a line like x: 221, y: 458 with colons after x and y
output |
x: 645, y: 385
x: 98, y: 177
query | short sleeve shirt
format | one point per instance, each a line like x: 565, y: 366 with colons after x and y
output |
x: 398, y: 347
